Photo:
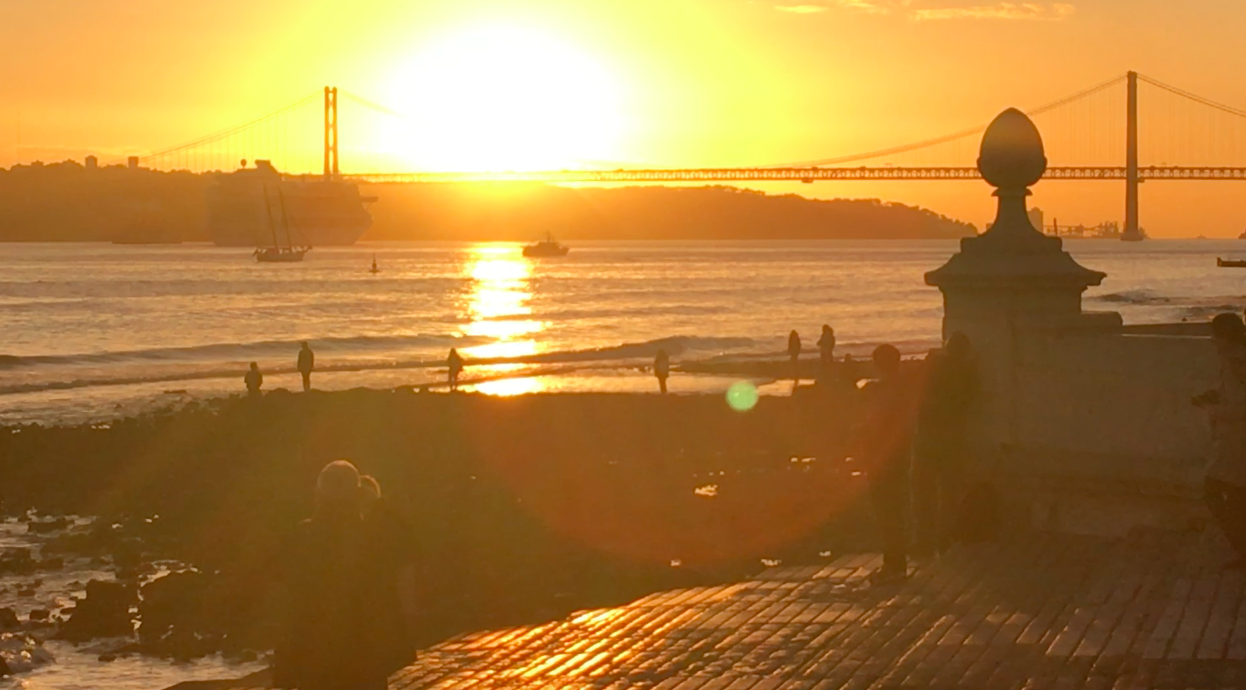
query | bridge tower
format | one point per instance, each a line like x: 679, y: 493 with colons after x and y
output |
x: 1132, y: 232
x: 330, y: 132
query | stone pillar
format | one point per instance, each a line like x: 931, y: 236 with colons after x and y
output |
x: 1008, y: 280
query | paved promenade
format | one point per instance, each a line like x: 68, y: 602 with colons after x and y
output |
x: 1151, y: 610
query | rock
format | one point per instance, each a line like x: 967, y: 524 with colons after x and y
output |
x: 105, y: 612
x: 39, y: 614
x: 52, y: 564
x: 46, y: 526
x: 20, y: 653
x: 172, y: 605
x: 107, y: 657
x: 16, y: 561
x: 8, y: 619
x: 27, y: 591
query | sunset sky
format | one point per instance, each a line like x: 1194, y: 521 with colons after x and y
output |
x: 548, y: 83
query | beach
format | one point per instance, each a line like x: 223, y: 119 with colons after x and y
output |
x: 524, y: 508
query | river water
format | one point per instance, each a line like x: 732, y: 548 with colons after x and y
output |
x: 93, y: 331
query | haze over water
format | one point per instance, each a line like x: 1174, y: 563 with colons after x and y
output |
x: 94, y: 331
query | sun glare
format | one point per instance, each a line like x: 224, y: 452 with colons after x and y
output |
x: 505, y: 98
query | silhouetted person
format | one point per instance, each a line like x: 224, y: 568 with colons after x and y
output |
x: 826, y: 346
x: 331, y: 638
x: 254, y: 380
x: 940, y: 446
x: 793, y: 352
x: 307, y: 362
x: 395, y: 578
x: 454, y: 365
x: 1225, y: 485
x: 662, y: 368
x: 884, y: 443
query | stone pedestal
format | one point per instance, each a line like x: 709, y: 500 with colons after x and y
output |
x: 1009, y: 280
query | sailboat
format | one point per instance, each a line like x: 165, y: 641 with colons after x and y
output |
x: 278, y: 253
x: 375, y: 268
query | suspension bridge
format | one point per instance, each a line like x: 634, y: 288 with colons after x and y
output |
x: 1100, y: 133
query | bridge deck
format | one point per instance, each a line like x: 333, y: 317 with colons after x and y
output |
x: 1150, y: 610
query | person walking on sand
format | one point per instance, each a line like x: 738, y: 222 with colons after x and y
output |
x: 331, y: 636
x: 254, y: 379
x: 1225, y: 484
x: 662, y: 369
x: 884, y: 443
x: 940, y: 446
x: 307, y: 362
x: 454, y: 365
x: 793, y: 352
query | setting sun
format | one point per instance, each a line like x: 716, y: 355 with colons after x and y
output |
x: 505, y: 99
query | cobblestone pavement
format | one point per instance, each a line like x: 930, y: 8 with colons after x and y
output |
x: 1153, y: 610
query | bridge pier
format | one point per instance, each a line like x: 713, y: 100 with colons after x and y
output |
x: 1133, y: 232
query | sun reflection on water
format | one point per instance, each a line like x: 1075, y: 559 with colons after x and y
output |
x: 498, y: 308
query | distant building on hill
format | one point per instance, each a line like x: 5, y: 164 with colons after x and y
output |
x: 1036, y: 218
x: 92, y: 162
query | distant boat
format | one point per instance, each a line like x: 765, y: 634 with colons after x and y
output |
x: 1231, y: 263
x: 375, y: 268
x: 1242, y: 236
x: 278, y: 253
x: 546, y: 247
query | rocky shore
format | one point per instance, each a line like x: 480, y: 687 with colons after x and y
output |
x: 523, y: 508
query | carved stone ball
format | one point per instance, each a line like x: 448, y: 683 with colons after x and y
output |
x: 1011, y: 156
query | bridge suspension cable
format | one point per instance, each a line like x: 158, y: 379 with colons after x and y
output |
x: 927, y: 143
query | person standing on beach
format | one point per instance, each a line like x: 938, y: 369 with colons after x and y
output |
x: 826, y: 354
x: 940, y: 447
x: 454, y: 364
x: 826, y: 346
x: 331, y: 635
x: 1225, y: 484
x: 883, y: 443
x: 662, y: 369
x: 307, y: 362
x: 254, y: 379
x: 793, y: 352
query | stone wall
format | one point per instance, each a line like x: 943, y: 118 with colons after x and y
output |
x: 1112, y: 406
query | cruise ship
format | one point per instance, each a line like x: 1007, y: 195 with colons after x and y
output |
x: 242, y: 209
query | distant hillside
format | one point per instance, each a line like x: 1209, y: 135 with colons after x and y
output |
x: 522, y: 212
x: 70, y: 202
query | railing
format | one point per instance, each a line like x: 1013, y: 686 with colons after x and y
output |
x: 791, y: 175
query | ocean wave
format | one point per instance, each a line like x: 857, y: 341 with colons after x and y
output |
x: 1140, y: 297
x: 245, y: 351
x: 674, y: 346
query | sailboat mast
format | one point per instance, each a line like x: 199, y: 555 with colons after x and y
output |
x: 285, y: 220
x: 268, y: 214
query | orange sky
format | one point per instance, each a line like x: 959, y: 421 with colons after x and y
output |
x: 660, y: 82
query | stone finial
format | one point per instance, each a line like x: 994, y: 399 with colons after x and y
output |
x: 1012, y: 253
x: 1011, y: 157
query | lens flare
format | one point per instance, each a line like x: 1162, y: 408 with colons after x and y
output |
x: 742, y: 396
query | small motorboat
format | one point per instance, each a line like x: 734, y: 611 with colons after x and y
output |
x: 1230, y: 263
x: 1242, y: 236
x: 375, y: 268
x: 546, y: 247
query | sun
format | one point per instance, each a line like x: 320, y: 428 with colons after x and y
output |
x: 505, y: 98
